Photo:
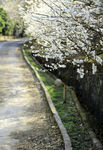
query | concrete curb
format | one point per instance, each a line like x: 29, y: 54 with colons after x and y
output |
x: 96, y: 143
x: 65, y: 136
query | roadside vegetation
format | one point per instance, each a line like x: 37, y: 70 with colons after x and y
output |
x: 69, y: 115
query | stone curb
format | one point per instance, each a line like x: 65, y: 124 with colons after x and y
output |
x: 66, y: 138
x: 96, y: 143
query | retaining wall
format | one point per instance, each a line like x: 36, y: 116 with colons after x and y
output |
x: 6, y: 38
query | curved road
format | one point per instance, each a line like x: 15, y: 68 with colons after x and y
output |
x: 25, y: 121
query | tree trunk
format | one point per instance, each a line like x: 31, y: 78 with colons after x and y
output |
x: 64, y: 93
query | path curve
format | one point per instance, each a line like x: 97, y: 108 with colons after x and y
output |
x: 25, y: 120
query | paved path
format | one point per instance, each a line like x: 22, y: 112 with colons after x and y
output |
x: 25, y: 121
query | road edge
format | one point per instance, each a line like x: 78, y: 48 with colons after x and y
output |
x: 65, y: 136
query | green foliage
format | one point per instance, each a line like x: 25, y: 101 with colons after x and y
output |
x: 6, y: 25
x: 2, y: 24
x: 9, y: 27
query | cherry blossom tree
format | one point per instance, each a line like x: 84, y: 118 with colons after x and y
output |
x: 68, y: 30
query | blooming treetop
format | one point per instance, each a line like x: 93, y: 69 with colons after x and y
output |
x: 70, y: 30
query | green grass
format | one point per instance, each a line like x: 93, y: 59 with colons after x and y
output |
x: 69, y: 115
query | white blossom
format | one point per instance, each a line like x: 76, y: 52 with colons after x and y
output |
x: 94, y: 68
x: 67, y: 30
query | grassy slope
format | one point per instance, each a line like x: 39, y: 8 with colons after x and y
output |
x: 68, y: 112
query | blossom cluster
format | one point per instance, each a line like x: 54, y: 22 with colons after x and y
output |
x: 70, y: 30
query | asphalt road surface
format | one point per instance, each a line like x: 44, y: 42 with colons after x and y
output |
x: 25, y: 120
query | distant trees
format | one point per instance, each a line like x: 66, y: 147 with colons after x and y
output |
x: 2, y: 24
x: 6, y: 25
x: 11, y: 7
x: 14, y: 25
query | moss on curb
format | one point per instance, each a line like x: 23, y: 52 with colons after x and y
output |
x: 69, y: 115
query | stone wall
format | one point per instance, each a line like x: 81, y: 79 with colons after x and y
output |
x: 92, y: 94
x: 6, y: 38
x: 89, y: 89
